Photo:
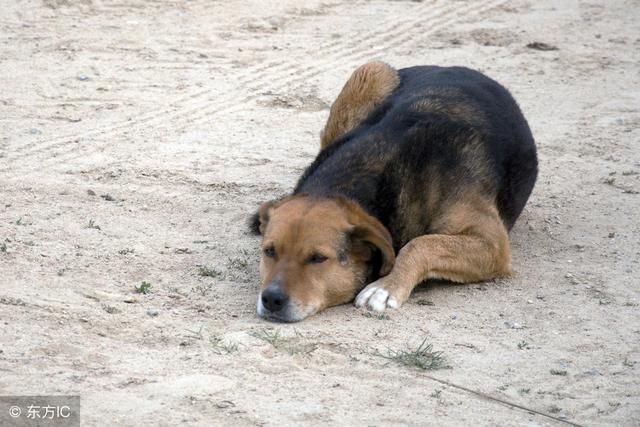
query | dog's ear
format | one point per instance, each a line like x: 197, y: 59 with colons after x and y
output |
x: 367, y: 233
x: 377, y: 237
x: 259, y: 220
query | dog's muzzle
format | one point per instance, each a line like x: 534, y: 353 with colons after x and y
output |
x: 274, y: 304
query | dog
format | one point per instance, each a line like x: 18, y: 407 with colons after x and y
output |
x: 421, y: 174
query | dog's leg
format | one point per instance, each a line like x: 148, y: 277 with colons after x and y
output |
x: 477, y: 251
x: 367, y: 87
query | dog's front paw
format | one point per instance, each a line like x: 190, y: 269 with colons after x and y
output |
x: 378, y: 297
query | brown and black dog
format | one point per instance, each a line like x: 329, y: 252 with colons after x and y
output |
x: 421, y: 173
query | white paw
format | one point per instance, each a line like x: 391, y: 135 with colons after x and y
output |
x: 376, y: 298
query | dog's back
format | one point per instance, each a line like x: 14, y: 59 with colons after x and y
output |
x: 445, y: 134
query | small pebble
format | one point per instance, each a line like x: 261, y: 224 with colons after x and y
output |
x: 572, y: 278
x: 513, y: 325
x: 152, y: 312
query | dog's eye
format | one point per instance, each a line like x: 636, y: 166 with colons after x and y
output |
x: 317, y: 259
x: 269, y: 251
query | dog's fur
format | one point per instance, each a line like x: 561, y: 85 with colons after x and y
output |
x: 434, y: 164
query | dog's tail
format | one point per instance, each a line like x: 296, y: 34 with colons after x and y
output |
x: 369, y: 85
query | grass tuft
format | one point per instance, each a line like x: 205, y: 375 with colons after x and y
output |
x: 379, y: 316
x: 196, y: 335
x: 202, y: 289
x: 144, y: 288
x: 223, y: 347
x: 110, y: 309
x: 209, y: 272
x: 422, y: 357
x: 291, y: 345
x: 272, y: 336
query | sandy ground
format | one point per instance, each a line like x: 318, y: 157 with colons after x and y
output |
x: 136, y: 136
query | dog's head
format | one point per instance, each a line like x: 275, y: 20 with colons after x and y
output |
x: 317, y: 253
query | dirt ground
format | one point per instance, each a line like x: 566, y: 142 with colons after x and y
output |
x: 136, y: 136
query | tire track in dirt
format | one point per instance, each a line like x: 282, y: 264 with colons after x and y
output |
x: 256, y: 78
x: 277, y: 70
x: 390, y: 38
x: 253, y: 75
x: 203, y: 115
x: 198, y: 114
x: 314, y: 71
x: 274, y: 70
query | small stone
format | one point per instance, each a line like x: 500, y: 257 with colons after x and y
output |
x: 572, y: 278
x: 152, y: 312
x: 513, y: 325
x: 541, y: 46
x: 82, y: 77
x: 225, y: 404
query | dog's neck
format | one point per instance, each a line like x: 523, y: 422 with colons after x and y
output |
x: 352, y: 167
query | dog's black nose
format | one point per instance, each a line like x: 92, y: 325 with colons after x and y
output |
x: 274, y: 299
